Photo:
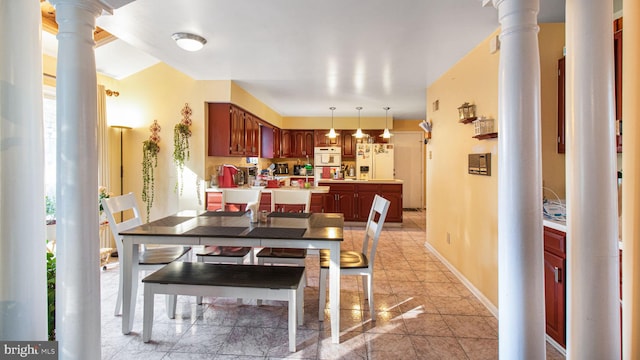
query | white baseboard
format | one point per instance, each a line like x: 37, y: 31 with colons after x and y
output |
x: 477, y: 293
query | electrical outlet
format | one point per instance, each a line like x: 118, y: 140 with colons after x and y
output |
x: 448, y: 238
x: 430, y: 155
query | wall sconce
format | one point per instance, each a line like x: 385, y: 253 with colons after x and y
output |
x: 113, y: 93
x: 467, y: 112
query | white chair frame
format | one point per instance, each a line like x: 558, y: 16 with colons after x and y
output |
x: 380, y: 206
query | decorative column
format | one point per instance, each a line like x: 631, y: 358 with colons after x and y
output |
x: 630, y: 182
x: 78, y: 277
x: 593, y: 308
x: 520, y: 236
x: 23, y: 281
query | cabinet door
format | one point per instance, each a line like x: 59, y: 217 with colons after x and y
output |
x: 554, y: 295
x: 251, y: 135
x: 214, y: 201
x: 561, y: 107
x: 219, y: 129
x: 321, y: 138
x: 395, y: 207
x: 237, y: 143
x: 617, y: 55
x: 317, y: 201
x: 364, y: 202
x: 277, y: 151
x: 267, y: 135
x: 348, y: 144
x: 297, y: 146
x: 346, y: 201
x: 286, y: 143
x: 307, y: 148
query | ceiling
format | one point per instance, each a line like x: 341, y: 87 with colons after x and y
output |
x: 301, y: 57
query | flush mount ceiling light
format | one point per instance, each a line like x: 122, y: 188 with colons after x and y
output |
x: 332, y: 132
x: 386, y: 134
x: 359, y: 133
x: 189, y: 42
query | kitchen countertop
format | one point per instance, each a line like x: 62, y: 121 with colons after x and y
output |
x: 313, y: 189
x: 377, y: 181
x: 562, y: 226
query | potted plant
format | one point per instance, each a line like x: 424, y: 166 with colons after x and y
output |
x: 181, y: 134
x: 150, y: 150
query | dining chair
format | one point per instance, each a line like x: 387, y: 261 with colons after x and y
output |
x: 358, y: 263
x: 281, y: 201
x: 232, y: 200
x: 150, y: 258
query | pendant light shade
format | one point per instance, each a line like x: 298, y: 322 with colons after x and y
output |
x: 332, y: 133
x: 359, y: 134
x: 386, y: 134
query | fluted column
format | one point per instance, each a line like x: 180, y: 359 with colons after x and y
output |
x: 631, y: 181
x: 593, y: 320
x: 78, y: 278
x: 520, y: 237
x: 23, y: 282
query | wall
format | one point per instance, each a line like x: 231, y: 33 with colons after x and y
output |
x: 463, y: 207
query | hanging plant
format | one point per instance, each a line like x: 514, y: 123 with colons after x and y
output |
x: 150, y: 150
x: 181, y: 135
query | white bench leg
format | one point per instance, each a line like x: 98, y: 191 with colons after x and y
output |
x: 300, y: 304
x: 170, y: 302
x: 147, y: 318
x: 293, y: 311
x: 322, y: 295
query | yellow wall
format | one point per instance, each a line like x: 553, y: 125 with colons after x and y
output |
x: 460, y: 206
x: 242, y: 98
x: 320, y: 122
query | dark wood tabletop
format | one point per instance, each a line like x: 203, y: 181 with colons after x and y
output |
x: 318, y: 226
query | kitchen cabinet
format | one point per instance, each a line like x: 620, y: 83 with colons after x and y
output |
x: 322, y: 140
x: 340, y: 199
x: 317, y: 203
x: 297, y: 143
x: 555, y: 284
x: 285, y: 143
x: 617, y: 55
x: 270, y: 142
x: 214, y: 201
x: 348, y: 144
x: 232, y: 131
x: 377, y: 136
x: 355, y: 200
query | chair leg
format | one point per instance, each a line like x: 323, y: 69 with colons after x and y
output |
x: 116, y: 312
x: 322, y: 295
x: 170, y: 302
x: 372, y: 310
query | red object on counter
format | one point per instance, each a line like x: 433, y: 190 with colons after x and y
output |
x: 272, y: 184
x: 228, y: 173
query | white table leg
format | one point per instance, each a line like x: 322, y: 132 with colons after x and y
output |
x: 130, y: 284
x: 334, y: 291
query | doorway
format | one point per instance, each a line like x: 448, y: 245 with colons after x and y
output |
x: 409, y: 167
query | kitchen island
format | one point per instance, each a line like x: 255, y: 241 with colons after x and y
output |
x: 353, y: 198
x: 214, y: 197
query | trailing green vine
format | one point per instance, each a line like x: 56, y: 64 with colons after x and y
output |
x: 150, y: 150
x: 181, y: 135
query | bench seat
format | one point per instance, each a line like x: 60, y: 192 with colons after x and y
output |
x: 282, y: 283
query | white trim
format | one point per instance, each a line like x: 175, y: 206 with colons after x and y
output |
x: 477, y: 293
x: 557, y: 346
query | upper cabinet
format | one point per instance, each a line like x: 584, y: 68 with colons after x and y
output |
x: 348, y: 144
x: 321, y: 138
x: 617, y: 54
x: 232, y: 131
x: 270, y: 142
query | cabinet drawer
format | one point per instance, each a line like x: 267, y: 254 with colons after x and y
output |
x: 369, y: 187
x: 555, y: 241
x: 387, y: 188
x: 338, y: 186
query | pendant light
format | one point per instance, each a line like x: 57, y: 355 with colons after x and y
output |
x: 332, y: 132
x: 386, y: 134
x: 359, y: 134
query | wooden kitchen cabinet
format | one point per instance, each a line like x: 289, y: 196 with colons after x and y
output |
x: 393, y: 193
x: 317, y: 203
x: 214, y: 201
x: 355, y: 200
x: 285, y: 143
x: 348, y: 144
x: 555, y: 284
x: 340, y: 199
x: 232, y: 131
x: 617, y: 57
x: 270, y: 142
x: 300, y: 143
x: 322, y: 140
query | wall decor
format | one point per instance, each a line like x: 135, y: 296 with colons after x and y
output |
x: 150, y: 150
x: 181, y: 135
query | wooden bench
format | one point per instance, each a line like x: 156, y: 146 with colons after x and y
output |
x: 228, y: 280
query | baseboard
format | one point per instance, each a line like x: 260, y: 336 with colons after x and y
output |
x: 477, y: 293
x: 492, y: 309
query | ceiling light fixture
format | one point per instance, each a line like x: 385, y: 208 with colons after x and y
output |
x: 386, y: 134
x: 359, y: 134
x: 189, y: 42
x: 332, y: 132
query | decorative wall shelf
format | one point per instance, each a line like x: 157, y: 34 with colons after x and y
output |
x: 467, y: 120
x: 486, y: 136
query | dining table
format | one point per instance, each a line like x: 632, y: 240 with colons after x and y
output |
x: 222, y: 228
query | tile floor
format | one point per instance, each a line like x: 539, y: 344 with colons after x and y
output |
x: 423, y: 312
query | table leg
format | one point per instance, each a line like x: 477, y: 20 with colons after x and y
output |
x: 130, y: 284
x: 334, y: 291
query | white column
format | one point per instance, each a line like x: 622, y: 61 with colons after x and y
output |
x: 520, y: 237
x: 631, y: 181
x: 23, y: 296
x: 78, y: 277
x: 593, y: 320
